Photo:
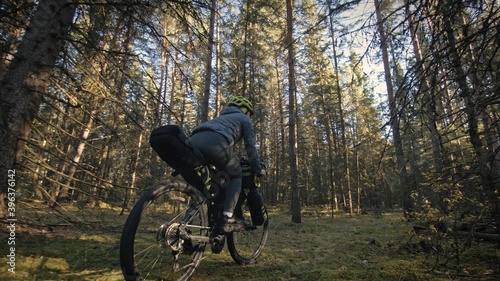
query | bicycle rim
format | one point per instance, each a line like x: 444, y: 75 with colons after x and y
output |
x: 246, y: 246
x: 153, y: 245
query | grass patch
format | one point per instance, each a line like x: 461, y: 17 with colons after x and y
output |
x: 319, y: 248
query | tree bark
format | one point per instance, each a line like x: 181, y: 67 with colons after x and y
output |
x: 16, y: 15
x: 22, y: 86
x: 281, y: 190
x: 428, y: 94
x: 134, y: 165
x: 484, y: 170
x: 341, y: 114
x: 208, y: 67
x: 292, y: 142
x: 63, y: 193
x: 398, y: 141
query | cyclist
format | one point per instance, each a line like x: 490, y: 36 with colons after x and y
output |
x: 215, y: 139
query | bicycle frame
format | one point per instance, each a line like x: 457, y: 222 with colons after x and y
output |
x: 168, y: 229
x: 213, y: 189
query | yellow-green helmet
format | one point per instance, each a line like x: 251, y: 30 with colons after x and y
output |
x: 241, y: 102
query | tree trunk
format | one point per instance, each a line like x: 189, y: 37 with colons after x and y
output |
x: 292, y: 142
x: 218, y: 63
x: 175, y: 86
x: 341, y: 112
x: 64, y: 192
x: 134, y: 165
x: 23, y: 85
x: 428, y: 95
x: 208, y: 67
x: 280, y: 136
x: 17, y: 15
x: 331, y: 169
x: 483, y: 168
x: 398, y: 142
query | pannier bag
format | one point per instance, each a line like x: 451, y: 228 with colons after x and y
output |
x: 257, y: 207
x: 255, y: 200
x: 249, y: 180
x: 173, y: 147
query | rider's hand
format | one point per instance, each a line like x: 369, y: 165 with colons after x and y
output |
x: 261, y: 173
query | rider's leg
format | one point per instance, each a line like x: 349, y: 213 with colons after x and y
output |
x: 218, y: 151
x: 233, y: 188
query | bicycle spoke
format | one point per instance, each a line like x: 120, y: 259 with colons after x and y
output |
x: 147, y: 251
x: 247, y: 245
x: 157, y: 227
x: 151, y: 265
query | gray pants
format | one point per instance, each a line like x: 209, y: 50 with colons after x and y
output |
x: 219, y: 153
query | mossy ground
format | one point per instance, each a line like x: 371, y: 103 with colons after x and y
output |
x: 320, y: 248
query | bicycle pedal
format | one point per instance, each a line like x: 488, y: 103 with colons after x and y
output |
x: 217, y: 243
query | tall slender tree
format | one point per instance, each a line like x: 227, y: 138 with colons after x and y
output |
x: 394, y: 114
x: 292, y: 124
x: 208, y: 62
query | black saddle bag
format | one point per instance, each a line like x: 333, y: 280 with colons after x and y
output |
x: 173, y: 146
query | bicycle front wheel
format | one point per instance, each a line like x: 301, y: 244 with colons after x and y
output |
x: 165, y: 234
x: 245, y: 246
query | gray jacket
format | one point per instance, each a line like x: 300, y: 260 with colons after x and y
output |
x: 234, y: 125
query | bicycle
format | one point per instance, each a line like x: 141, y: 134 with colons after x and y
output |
x: 165, y: 235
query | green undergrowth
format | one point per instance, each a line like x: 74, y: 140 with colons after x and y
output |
x: 363, y: 247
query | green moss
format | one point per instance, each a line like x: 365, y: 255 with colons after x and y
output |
x: 319, y: 248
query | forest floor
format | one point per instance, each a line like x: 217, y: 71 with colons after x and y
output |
x: 49, y: 245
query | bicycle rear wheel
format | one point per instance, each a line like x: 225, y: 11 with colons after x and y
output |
x: 165, y: 234
x: 246, y: 246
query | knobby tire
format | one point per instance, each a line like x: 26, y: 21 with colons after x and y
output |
x: 150, y: 243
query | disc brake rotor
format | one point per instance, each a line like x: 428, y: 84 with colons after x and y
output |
x: 170, y: 236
